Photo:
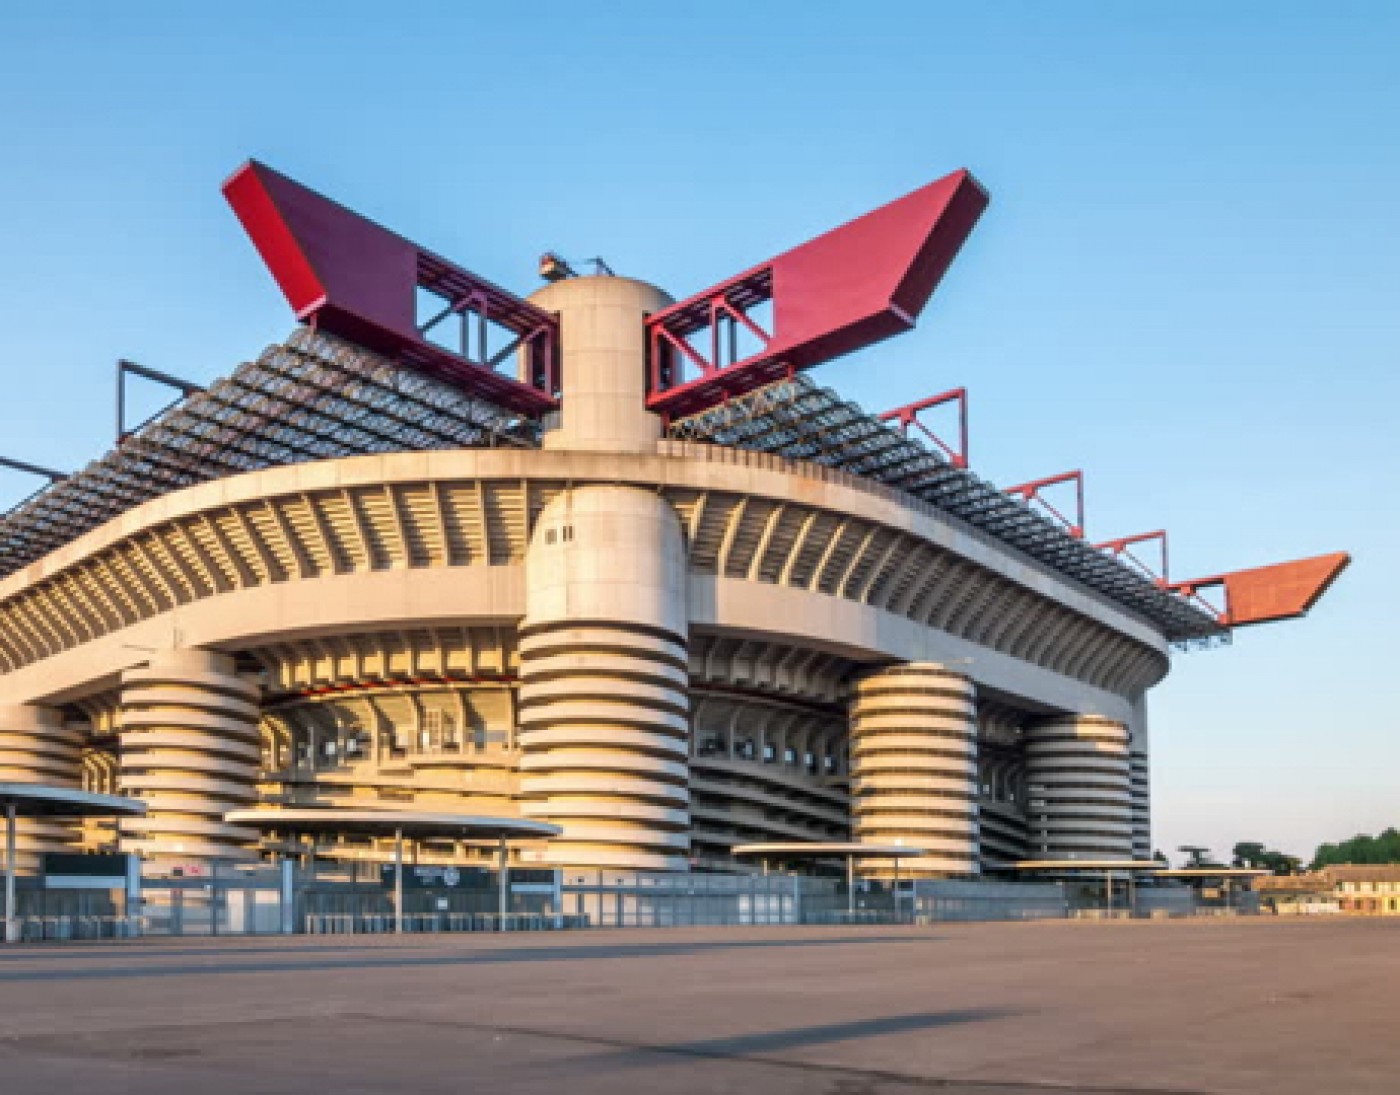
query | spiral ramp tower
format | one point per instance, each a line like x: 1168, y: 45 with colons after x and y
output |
x: 914, y: 766
x: 37, y: 746
x: 604, y: 708
x: 190, y: 750
x: 1079, y: 788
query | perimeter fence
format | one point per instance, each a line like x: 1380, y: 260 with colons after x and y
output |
x: 214, y: 899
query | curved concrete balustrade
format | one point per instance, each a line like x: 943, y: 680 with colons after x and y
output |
x: 914, y: 766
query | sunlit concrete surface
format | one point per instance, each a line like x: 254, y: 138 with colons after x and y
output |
x: 970, y: 1009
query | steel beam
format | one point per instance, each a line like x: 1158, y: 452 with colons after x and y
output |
x: 850, y: 288
x: 1260, y: 595
x: 908, y: 415
x: 347, y: 275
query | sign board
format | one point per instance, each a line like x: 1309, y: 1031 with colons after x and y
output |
x: 67, y: 871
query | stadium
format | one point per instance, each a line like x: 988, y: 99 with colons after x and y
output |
x: 595, y: 557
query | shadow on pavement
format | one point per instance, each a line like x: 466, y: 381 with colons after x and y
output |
x: 382, y: 958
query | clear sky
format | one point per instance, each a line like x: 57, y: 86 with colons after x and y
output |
x: 1188, y: 282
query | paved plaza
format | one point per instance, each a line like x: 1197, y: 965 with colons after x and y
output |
x: 963, y: 1009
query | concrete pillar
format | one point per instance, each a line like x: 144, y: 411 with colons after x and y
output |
x: 36, y: 746
x: 914, y: 767
x: 1140, y: 780
x: 189, y: 748
x: 603, y: 354
x: 1079, y: 803
x: 604, y: 702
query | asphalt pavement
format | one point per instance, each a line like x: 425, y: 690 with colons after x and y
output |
x: 1249, y: 1006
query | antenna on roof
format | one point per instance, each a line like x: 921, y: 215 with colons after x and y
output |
x: 33, y: 469
x: 126, y: 368
x: 554, y: 267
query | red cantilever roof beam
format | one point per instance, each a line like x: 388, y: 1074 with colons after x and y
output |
x: 1031, y: 492
x: 1261, y: 595
x: 908, y: 415
x: 356, y: 279
x: 1123, y: 544
x: 845, y: 290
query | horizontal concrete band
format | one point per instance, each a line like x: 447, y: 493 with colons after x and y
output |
x: 98, y: 585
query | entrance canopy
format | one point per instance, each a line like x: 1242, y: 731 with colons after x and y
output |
x: 41, y: 800
x: 401, y: 824
x: 413, y: 824
x: 1188, y: 873
x: 811, y: 849
x: 1097, y: 866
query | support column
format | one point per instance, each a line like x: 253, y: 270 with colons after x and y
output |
x: 604, y: 701
x: 914, y: 767
x: 1079, y: 803
x: 1140, y: 780
x: 36, y: 746
x: 189, y: 748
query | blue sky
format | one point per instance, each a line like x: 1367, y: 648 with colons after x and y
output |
x: 1188, y: 282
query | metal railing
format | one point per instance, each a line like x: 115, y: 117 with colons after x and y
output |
x: 387, y: 923
x: 36, y: 929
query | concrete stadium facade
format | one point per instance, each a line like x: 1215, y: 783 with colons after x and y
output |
x: 669, y: 616
x: 666, y: 648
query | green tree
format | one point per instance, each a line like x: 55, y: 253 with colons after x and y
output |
x: 1249, y: 853
x: 1382, y: 848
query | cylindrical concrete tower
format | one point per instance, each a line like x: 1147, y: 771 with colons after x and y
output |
x: 37, y: 747
x: 602, y: 334
x: 189, y: 748
x: 914, y: 766
x: 1079, y: 802
x: 604, y: 710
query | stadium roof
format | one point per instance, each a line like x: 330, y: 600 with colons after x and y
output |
x: 314, y: 398
x: 318, y: 397
x: 797, y: 419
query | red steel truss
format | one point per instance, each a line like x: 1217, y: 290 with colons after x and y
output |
x: 908, y: 415
x: 850, y: 288
x: 1121, y: 547
x: 347, y: 275
x: 1032, y: 492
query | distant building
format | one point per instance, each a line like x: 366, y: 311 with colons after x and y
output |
x: 1367, y: 889
x: 1358, y: 889
x: 1309, y: 894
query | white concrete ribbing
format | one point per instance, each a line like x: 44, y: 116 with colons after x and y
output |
x: 603, y: 727
x: 604, y: 706
x: 190, y: 749
x: 914, y: 766
x: 1079, y: 798
x: 37, y: 747
x: 1141, y: 787
x: 1002, y: 828
x: 1140, y: 778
